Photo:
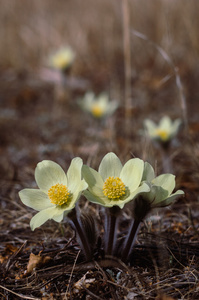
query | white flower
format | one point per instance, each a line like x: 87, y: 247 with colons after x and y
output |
x: 164, y: 131
x: 114, y: 184
x: 160, y: 194
x: 62, y: 59
x: 98, y: 107
x: 162, y: 187
x: 58, y: 192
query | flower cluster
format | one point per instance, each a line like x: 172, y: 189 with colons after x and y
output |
x: 112, y: 186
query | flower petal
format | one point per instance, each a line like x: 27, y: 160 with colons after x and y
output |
x: 175, y: 126
x: 74, y: 174
x: 144, y: 188
x: 95, y: 199
x: 103, y: 100
x: 166, y: 181
x: 35, y: 199
x: 94, y: 180
x: 131, y: 173
x: 77, y: 193
x: 165, y: 124
x: 150, y: 127
x: 55, y: 213
x: 170, y: 199
x: 41, y: 217
x: 49, y: 173
x: 58, y: 218
x: 157, y: 195
x: 148, y: 173
x: 110, y: 166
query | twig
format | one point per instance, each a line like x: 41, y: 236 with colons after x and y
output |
x: 18, y: 295
x: 105, y: 278
x: 71, y: 274
x: 92, y: 294
x: 14, y: 255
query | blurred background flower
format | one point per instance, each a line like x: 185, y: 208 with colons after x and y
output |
x: 62, y: 59
x: 99, y: 107
x: 164, y: 131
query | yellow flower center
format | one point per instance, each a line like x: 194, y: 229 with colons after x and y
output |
x: 61, y: 61
x: 114, y: 188
x: 58, y: 194
x: 97, y: 110
x: 163, y: 134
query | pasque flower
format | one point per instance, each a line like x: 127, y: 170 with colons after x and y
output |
x: 160, y: 194
x: 114, y: 184
x: 98, y: 107
x: 164, y: 131
x: 58, y: 192
x: 62, y: 59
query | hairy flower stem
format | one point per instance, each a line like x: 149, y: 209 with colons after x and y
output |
x: 111, y: 225
x: 166, y: 161
x: 130, y: 239
x: 82, y: 238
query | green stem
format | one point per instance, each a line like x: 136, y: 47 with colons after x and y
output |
x: 82, y: 239
x: 130, y: 239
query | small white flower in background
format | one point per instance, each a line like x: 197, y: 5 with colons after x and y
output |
x: 164, y: 131
x: 114, y: 184
x: 98, y: 107
x: 62, y: 59
x: 58, y: 192
x: 160, y: 194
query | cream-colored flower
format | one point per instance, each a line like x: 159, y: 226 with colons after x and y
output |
x: 98, y: 107
x: 164, y: 131
x: 160, y: 194
x: 62, y: 59
x: 58, y: 192
x: 114, y: 184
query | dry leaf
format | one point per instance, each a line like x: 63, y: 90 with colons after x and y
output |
x: 83, y: 282
x: 36, y: 261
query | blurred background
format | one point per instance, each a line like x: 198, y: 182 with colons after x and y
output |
x: 30, y: 30
x: 36, y: 108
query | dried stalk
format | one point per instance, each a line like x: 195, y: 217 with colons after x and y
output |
x: 183, y: 103
x: 127, y: 63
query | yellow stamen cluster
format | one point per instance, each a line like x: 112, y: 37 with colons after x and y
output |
x: 61, y: 61
x: 97, y: 111
x: 163, y: 134
x: 114, y: 188
x: 58, y: 194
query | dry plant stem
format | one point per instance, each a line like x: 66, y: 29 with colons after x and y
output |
x: 64, y: 77
x: 127, y: 63
x: 166, y: 161
x: 64, y: 80
x: 176, y: 73
x: 111, y: 225
x: 130, y: 239
x: 83, y: 241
